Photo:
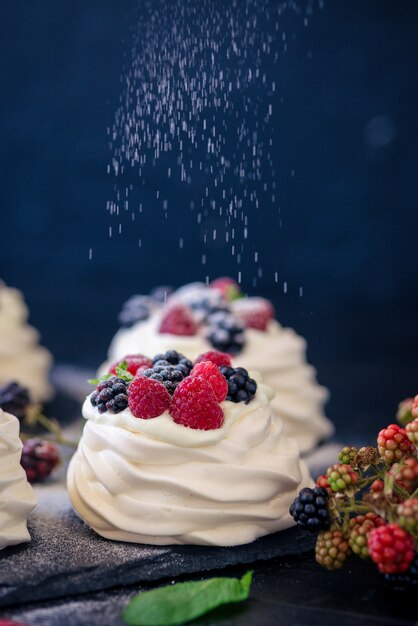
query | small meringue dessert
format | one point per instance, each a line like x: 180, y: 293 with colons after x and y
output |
x: 17, y: 498
x: 197, y: 318
x: 21, y: 357
x: 184, y: 453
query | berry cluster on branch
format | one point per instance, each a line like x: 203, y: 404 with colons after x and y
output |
x: 367, y: 504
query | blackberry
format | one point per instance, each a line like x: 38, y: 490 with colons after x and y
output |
x: 310, y: 509
x: 14, y: 399
x: 39, y: 457
x: 161, y: 293
x: 407, y: 581
x: 111, y: 395
x: 225, y: 332
x: 136, y: 309
x: 241, y: 388
x: 170, y: 376
x: 172, y: 357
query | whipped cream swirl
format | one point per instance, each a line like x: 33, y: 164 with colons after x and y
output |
x: 157, y: 482
x: 16, y: 495
x: 21, y: 358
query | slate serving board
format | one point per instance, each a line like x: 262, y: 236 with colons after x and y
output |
x: 66, y: 558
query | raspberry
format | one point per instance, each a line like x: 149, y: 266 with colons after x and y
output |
x: 348, y: 456
x: 211, y: 373
x: 254, y: 312
x: 219, y: 358
x: 241, y: 388
x: 412, y: 432
x: 133, y: 363
x: 110, y: 395
x: 322, y: 481
x: 310, y: 509
x: 225, y: 332
x: 406, y: 473
x: 360, y: 528
x: 39, y: 458
x: 393, y: 444
x: 407, y: 581
x: 332, y: 549
x: 194, y: 405
x: 178, y: 320
x: 136, y: 309
x: 391, y: 548
x: 228, y: 287
x: 408, y: 515
x: 404, y: 412
x: 147, y: 398
x: 14, y: 399
x: 341, y: 476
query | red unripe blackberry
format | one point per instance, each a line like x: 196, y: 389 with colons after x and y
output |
x: 360, y: 529
x: 408, y: 515
x: 391, y: 548
x: 341, y: 477
x: 406, y: 473
x: 393, y: 444
x: 39, y: 458
x: 332, y: 549
x: 412, y: 432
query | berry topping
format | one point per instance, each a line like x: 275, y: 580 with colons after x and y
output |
x: 360, y: 529
x: 225, y: 332
x: 39, y: 458
x: 393, y: 444
x: 134, y: 362
x: 332, y: 549
x: 241, y: 388
x: 161, y: 293
x: 167, y: 374
x: 178, y: 320
x: 14, y: 399
x: 172, y: 357
x: 254, y: 312
x: 194, y: 405
x: 147, y: 397
x: 228, y: 287
x: 391, y: 548
x: 310, y: 509
x: 341, y: 477
x: 136, y: 309
x: 110, y: 395
x: 210, y: 372
x: 214, y: 356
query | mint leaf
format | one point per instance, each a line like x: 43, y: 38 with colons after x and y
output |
x: 176, y: 604
x: 121, y: 371
x: 96, y: 381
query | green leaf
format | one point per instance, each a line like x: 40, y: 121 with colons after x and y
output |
x: 123, y: 372
x: 96, y: 381
x: 177, y: 604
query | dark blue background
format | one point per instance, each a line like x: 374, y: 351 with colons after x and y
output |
x: 349, y: 212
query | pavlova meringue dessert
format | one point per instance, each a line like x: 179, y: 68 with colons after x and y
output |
x: 197, y: 318
x: 175, y: 452
x: 22, y: 359
x: 16, y: 495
